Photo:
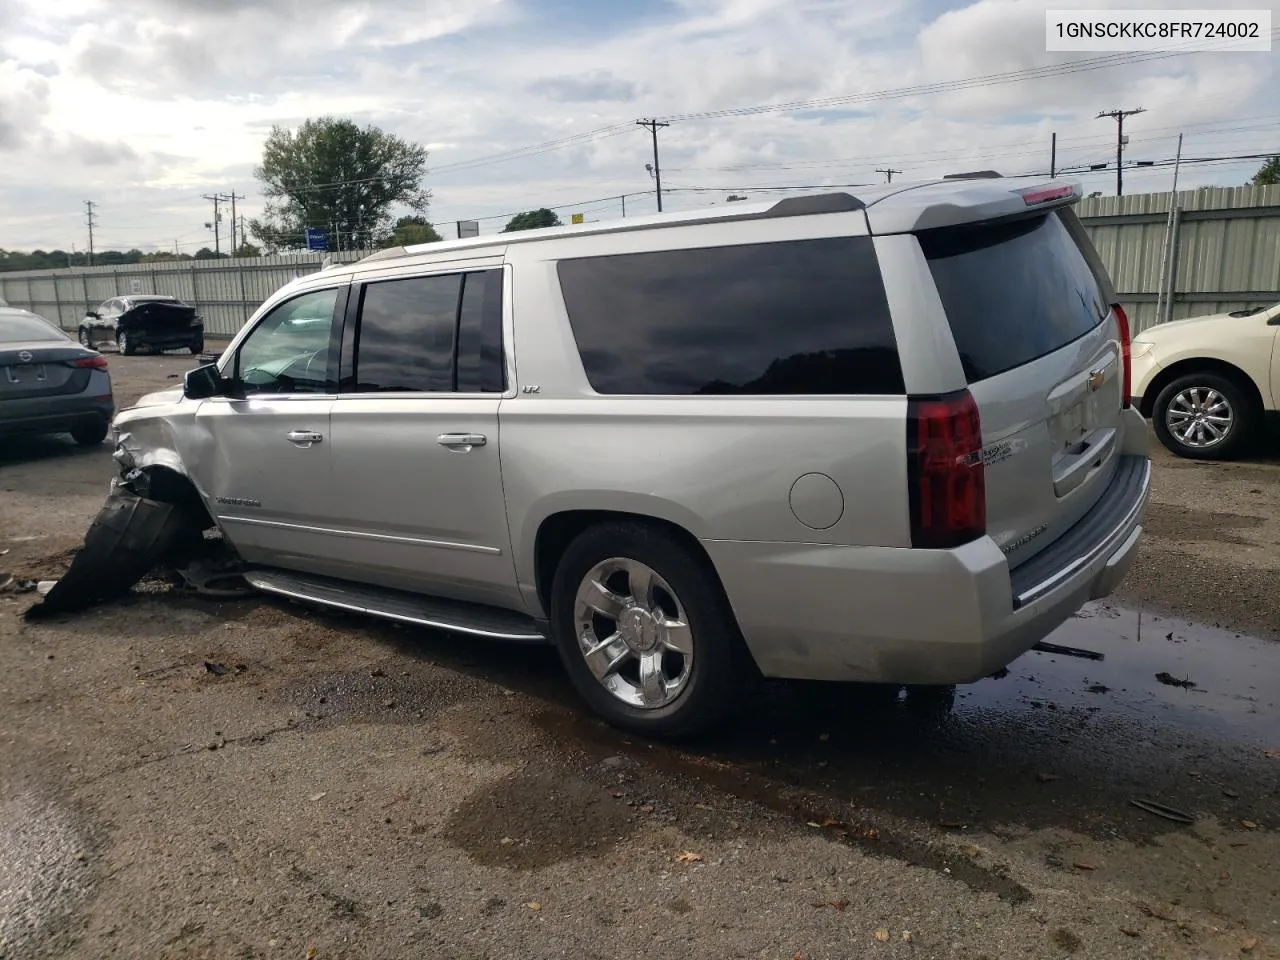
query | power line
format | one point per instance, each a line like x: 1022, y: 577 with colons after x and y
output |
x: 951, y: 86
x: 888, y: 173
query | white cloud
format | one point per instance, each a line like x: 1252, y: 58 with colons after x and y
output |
x: 145, y: 108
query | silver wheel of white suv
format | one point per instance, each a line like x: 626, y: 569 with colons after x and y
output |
x: 633, y: 633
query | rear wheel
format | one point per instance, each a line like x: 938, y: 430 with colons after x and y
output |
x: 89, y: 434
x: 125, y: 343
x: 197, y: 346
x: 1204, y: 416
x: 645, y: 631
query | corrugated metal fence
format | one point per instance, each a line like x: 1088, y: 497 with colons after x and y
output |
x: 1225, y: 244
x: 225, y: 292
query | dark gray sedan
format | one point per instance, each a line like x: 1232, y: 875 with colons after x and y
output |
x: 49, y: 383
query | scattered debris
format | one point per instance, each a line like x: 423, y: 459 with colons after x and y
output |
x: 951, y: 824
x: 882, y: 935
x: 906, y: 936
x: 318, y: 796
x: 1046, y: 777
x: 4, y: 551
x: 837, y: 904
x: 219, y: 579
x: 10, y: 585
x: 1081, y: 865
x: 1271, y: 754
x: 1160, y: 810
x: 1043, y: 647
x: 1249, y: 945
x: 1231, y: 794
x: 689, y: 857
x: 1099, y: 688
x: 1156, y: 912
x: 217, y: 669
x: 533, y: 905
x: 44, y: 586
x: 1130, y: 933
x: 647, y: 808
x: 1169, y: 680
x: 1248, y: 825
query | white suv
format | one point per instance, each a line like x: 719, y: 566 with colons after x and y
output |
x: 883, y: 438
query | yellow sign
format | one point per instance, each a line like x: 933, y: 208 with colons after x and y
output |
x: 577, y: 218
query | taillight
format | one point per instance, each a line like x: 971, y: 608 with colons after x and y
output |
x: 948, y: 492
x: 1126, y: 354
x: 96, y: 363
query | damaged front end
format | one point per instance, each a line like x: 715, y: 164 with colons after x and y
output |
x: 153, y: 518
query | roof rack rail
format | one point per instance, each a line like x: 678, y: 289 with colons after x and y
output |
x: 820, y: 203
x: 975, y: 175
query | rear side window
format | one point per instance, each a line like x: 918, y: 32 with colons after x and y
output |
x: 434, y: 334
x: 406, y: 335
x: 798, y: 317
x: 1013, y: 292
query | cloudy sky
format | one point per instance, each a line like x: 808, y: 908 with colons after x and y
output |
x: 144, y: 105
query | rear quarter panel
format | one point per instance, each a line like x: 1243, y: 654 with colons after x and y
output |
x: 722, y: 468
x: 1247, y: 343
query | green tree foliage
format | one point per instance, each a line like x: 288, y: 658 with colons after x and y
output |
x: 1268, y: 173
x: 11, y: 260
x: 532, y: 220
x: 333, y: 174
x: 248, y: 249
x: 411, y: 230
x: 204, y: 253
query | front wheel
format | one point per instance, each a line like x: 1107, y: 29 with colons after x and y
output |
x: 1204, y: 416
x: 197, y: 347
x: 645, y: 631
x: 125, y: 343
x: 86, y: 341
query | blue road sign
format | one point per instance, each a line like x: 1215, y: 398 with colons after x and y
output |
x: 317, y: 238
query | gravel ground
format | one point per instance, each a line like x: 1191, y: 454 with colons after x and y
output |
x: 185, y: 778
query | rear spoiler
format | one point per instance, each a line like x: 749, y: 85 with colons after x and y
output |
x: 979, y: 197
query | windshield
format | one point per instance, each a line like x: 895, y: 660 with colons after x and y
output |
x: 17, y: 329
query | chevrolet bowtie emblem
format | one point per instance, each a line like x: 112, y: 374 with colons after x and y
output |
x: 1096, y: 379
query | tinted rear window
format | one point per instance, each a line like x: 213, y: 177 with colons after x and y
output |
x: 1013, y: 292
x: 800, y: 317
x: 18, y: 329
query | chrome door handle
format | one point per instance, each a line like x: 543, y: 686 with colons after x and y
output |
x: 461, y: 441
x: 303, y: 438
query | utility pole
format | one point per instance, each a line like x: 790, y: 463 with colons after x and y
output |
x: 1118, y: 116
x: 88, y: 204
x: 889, y: 172
x: 653, y: 126
x: 217, y: 199
x: 233, y: 198
x: 1053, y: 156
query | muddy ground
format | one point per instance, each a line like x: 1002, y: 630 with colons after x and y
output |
x: 188, y: 778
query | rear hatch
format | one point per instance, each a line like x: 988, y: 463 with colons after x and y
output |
x: 41, y: 369
x: 1041, y: 349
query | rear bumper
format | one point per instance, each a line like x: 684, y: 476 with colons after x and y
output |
x: 893, y: 615
x: 59, y: 414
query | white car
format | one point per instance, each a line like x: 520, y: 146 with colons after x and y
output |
x: 1207, y: 383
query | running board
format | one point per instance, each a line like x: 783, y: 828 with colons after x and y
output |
x: 470, y: 618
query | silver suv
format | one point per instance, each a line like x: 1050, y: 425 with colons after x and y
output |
x: 883, y: 438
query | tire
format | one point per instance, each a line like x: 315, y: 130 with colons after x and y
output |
x: 125, y: 343
x: 197, y: 347
x: 86, y: 341
x: 700, y: 688
x: 89, y: 434
x: 1222, y: 406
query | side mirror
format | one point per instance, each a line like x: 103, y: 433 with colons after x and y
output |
x: 93, y: 313
x: 204, y: 382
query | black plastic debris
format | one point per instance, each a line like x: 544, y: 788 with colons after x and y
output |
x: 130, y: 535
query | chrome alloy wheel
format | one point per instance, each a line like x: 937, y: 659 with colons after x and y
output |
x: 1199, y: 417
x: 633, y: 633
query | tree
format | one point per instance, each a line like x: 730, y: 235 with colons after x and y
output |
x: 204, y: 253
x: 248, y: 249
x: 411, y: 230
x: 1268, y: 173
x: 333, y: 173
x: 532, y: 220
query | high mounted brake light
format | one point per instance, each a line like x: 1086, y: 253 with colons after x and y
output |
x: 1037, y: 195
